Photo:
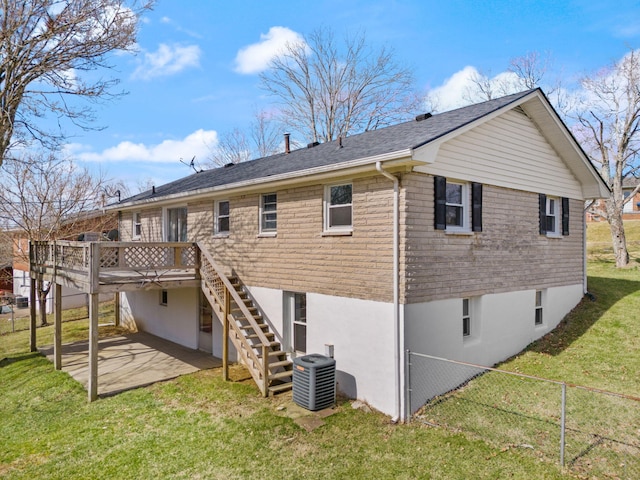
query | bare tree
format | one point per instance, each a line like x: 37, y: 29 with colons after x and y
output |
x: 236, y: 146
x: 325, y: 90
x: 265, y: 134
x: 608, y: 121
x: 530, y: 69
x: 47, y: 49
x: 525, y: 72
x: 43, y: 197
x: 232, y: 147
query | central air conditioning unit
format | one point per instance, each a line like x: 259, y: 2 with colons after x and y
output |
x: 314, y: 381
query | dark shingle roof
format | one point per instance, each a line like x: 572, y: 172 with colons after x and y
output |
x: 386, y: 140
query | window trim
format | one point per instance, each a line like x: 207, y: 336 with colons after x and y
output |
x: 467, y: 330
x: 217, y: 217
x: 328, y: 206
x: 165, y: 222
x: 465, y: 227
x: 471, y: 203
x: 290, y: 322
x: 136, y: 216
x: 267, y: 231
x: 561, y: 215
x: 539, y: 309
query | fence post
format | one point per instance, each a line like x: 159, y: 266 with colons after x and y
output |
x: 562, y: 422
x: 407, y: 369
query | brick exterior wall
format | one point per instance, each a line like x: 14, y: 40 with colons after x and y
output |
x: 508, y: 255
x: 300, y: 258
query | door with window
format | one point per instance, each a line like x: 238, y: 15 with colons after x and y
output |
x: 295, y: 322
x: 176, y: 224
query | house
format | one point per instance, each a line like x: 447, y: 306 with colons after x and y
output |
x: 459, y: 235
x: 631, y: 209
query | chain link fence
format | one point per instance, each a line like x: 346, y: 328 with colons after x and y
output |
x: 15, y: 317
x: 594, y: 433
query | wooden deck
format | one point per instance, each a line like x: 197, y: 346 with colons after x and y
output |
x: 111, y: 267
x: 105, y: 267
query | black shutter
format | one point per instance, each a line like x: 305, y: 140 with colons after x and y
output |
x: 440, y: 195
x: 565, y: 216
x: 542, y: 199
x: 476, y: 207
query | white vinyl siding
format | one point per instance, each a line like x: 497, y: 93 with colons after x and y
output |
x: 508, y: 151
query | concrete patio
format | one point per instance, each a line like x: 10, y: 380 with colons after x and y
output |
x: 131, y: 361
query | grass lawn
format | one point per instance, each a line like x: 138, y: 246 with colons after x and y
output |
x: 198, y: 426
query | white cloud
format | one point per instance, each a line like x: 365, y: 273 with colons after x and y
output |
x: 167, y: 60
x: 451, y: 94
x: 255, y: 58
x: 198, y: 144
x: 461, y: 88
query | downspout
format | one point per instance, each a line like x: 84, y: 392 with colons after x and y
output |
x: 396, y: 289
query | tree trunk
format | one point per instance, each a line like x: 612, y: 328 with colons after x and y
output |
x: 42, y: 301
x: 618, y: 238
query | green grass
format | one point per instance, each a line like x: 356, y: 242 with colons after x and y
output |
x: 599, y: 241
x: 201, y: 427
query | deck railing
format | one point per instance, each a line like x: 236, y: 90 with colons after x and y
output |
x: 104, y: 262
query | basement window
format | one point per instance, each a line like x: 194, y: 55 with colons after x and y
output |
x: 466, y: 318
x: 539, y: 318
x: 164, y: 297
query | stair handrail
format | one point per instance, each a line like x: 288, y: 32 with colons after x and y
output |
x: 234, y: 294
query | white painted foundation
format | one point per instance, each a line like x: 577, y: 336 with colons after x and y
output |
x: 361, y: 333
x: 178, y: 321
x: 502, y: 325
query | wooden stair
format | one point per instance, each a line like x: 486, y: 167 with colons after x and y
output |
x: 252, y: 337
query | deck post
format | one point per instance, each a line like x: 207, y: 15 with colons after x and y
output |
x: 94, y: 273
x: 57, y: 326
x: 32, y: 314
x: 265, y: 370
x: 225, y: 335
x: 116, y: 309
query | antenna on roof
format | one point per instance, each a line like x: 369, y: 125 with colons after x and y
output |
x: 192, y: 164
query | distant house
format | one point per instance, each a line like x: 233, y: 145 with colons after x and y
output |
x: 631, y: 209
x: 459, y: 235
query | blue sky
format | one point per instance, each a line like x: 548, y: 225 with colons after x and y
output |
x: 195, y: 75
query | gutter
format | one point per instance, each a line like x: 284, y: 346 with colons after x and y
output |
x: 400, y: 414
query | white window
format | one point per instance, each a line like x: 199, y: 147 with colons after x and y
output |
x: 221, y: 217
x: 457, y: 206
x: 338, y: 214
x: 176, y: 224
x: 269, y: 213
x: 295, y: 320
x: 466, y: 318
x: 552, y: 210
x: 137, y: 226
x: 539, y: 319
